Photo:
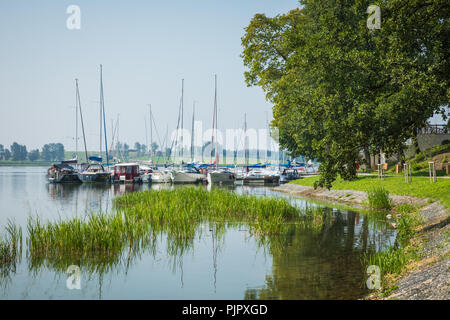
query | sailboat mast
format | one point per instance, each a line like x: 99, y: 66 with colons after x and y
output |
x: 215, y: 121
x: 101, y: 113
x: 192, y: 134
x: 165, y: 142
x: 213, y: 149
x: 76, y: 125
x: 146, y: 133
x: 182, y: 118
x: 267, y: 138
x: 102, y: 104
x: 151, y: 129
x: 245, y: 142
x: 81, y: 118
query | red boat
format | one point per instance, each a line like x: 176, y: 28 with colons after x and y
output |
x: 127, y: 173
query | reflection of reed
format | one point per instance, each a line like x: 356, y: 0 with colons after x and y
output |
x: 10, y: 250
x: 214, y: 248
x: 325, y: 263
x: 100, y: 243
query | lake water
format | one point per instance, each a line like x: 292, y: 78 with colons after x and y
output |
x: 302, y: 264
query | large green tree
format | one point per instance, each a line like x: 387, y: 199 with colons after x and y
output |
x: 33, y: 155
x: 52, y: 152
x: 19, y: 152
x: 338, y: 87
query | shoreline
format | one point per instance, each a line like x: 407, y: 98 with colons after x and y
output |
x: 426, y: 278
x: 26, y: 164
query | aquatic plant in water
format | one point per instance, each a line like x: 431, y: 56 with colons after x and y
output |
x: 10, y: 249
x: 139, y: 218
x: 379, y: 198
x: 395, y: 258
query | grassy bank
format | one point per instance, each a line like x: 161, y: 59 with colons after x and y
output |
x: 420, y: 187
x: 399, y: 259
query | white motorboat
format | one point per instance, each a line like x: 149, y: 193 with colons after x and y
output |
x: 289, y: 175
x: 260, y: 177
x: 221, y: 176
x: 161, y: 177
x: 189, y: 175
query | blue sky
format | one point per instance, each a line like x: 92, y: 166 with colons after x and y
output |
x: 146, y: 48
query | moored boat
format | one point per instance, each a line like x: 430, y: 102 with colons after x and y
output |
x: 95, y: 173
x: 127, y: 173
x: 161, y: 177
x: 289, y: 175
x: 260, y: 177
x: 62, y: 173
x: 220, y: 177
x: 189, y: 175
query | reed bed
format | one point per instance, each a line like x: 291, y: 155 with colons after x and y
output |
x: 379, y: 198
x: 140, y: 218
x: 395, y: 258
x: 10, y: 248
x: 178, y: 211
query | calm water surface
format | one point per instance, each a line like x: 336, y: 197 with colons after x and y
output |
x: 303, y: 264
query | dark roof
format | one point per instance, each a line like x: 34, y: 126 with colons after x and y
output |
x: 63, y: 166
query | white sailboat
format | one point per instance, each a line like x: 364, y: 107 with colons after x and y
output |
x: 96, y: 172
x: 185, y: 175
x: 217, y: 176
x: 161, y: 177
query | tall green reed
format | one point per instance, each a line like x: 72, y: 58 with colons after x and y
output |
x: 139, y: 218
x: 379, y: 198
x: 10, y: 249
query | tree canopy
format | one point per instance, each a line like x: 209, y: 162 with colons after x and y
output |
x: 53, y: 152
x: 338, y: 87
x: 19, y: 152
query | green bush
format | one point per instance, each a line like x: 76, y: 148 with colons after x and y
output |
x: 379, y: 198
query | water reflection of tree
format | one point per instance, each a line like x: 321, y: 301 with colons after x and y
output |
x: 318, y: 265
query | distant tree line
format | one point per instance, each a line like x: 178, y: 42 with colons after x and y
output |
x: 17, y: 152
x: 124, y: 150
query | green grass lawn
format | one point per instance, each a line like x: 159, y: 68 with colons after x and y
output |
x: 420, y: 187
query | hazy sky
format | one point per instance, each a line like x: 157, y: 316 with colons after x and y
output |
x: 146, y: 48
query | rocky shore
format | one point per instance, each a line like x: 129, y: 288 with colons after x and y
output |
x: 427, y: 278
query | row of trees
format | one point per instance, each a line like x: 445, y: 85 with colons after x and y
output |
x: 124, y: 149
x: 17, y: 152
x: 339, y: 87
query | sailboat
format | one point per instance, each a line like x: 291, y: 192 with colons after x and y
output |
x: 95, y: 172
x: 189, y: 174
x: 152, y: 173
x: 65, y: 172
x: 218, y: 175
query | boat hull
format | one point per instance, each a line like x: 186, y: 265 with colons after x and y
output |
x: 270, y: 180
x: 158, y: 177
x: 146, y: 178
x: 65, y: 178
x: 97, y: 177
x: 187, y: 177
x: 220, y: 177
